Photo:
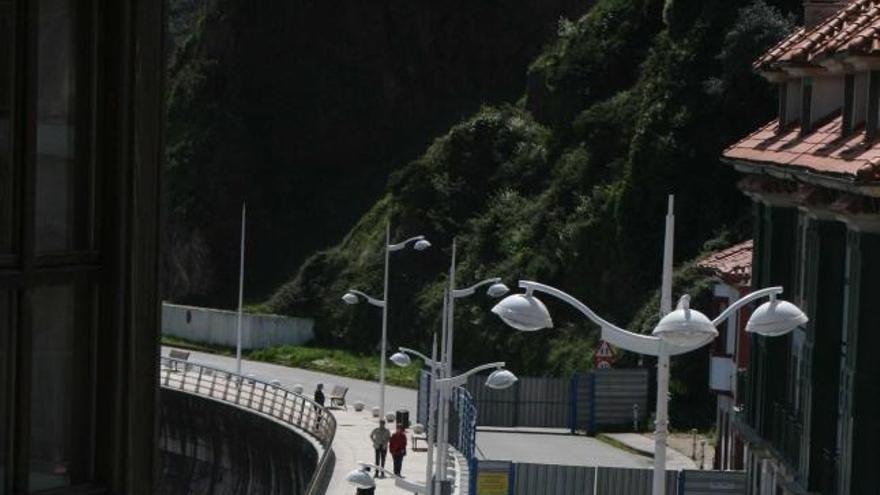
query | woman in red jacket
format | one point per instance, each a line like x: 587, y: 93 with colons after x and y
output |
x: 397, y: 446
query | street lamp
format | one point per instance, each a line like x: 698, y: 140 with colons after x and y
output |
x: 495, y: 289
x: 352, y: 296
x: 499, y: 379
x: 678, y: 332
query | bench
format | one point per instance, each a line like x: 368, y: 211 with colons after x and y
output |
x: 337, y: 396
x: 415, y: 441
x: 180, y: 355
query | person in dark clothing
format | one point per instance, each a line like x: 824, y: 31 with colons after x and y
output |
x: 397, y: 446
x: 319, y: 398
x: 319, y: 394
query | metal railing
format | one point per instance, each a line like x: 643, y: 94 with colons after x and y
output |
x: 259, y: 396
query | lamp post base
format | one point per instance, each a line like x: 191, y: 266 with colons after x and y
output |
x: 442, y: 487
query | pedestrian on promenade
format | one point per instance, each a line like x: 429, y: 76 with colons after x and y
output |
x: 319, y: 394
x: 397, y: 446
x: 319, y: 398
x: 380, y: 437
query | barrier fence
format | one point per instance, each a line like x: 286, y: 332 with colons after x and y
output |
x: 583, y: 402
x: 509, y: 478
x: 268, y: 399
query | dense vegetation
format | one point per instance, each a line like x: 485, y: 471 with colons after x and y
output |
x: 303, y: 108
x: 631, y: 102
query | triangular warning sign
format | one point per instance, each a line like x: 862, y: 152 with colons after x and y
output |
x: 604, y: 350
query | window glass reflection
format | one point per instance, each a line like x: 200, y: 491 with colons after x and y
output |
x: 6, y: 186
x: 58, y: 201
x: 60, y: 390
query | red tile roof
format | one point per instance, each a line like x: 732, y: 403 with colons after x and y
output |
x: 854, y: 30
x: 822, y: 151
x: 732, y: 265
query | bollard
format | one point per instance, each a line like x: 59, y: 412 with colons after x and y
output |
x: 694, y: 444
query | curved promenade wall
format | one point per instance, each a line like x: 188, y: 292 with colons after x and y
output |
x: 216, y: 437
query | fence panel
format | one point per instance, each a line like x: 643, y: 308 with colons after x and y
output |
x: 494, y: 407
x: 551, y: 479
x: 713, y: 482
x: 605, y: 397
x: 617, y: 481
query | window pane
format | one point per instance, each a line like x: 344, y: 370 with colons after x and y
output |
x: 6, y: 214
x: 6, y: 321
x: 61, y: 172
x: 60, y: 452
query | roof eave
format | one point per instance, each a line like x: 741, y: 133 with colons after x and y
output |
x: 836, y: 182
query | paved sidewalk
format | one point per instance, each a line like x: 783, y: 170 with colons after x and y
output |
x: 675, y: 460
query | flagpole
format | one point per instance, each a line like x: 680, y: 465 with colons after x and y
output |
x: 240, y: 293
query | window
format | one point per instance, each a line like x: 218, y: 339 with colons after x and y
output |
x: 61, y: 431
x: 783, y: 104
x: 63, y: 179
x: 873, y: 92
x: 806, y: 105
x: 849, y: 86
x: 6, y: 180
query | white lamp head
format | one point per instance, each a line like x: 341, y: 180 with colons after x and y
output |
x: 685, y: 327
x: 497, y: 290
x: 501, y: 379
x: 775, y: 318
x: 360, y: 479
x: 350, y: 298
x: 523, y: 312
x: 401, y: 359
x: 422, y: 244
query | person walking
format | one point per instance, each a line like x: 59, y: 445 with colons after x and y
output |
x: 380, y: 437
x: 397, y: 446
x: 319, y: 394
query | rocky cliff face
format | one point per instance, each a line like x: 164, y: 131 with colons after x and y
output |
x: 302, y: 108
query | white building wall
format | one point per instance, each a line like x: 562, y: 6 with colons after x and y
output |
x: 827, y: 96
x: 219, y: 327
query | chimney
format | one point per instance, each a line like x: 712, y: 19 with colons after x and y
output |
x: 816, y: 11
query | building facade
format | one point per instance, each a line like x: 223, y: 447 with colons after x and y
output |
x: 80, y: 153
x: 732, y: 271
x: 812, y: 401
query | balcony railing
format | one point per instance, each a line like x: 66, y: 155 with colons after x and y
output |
x: 259, y: 396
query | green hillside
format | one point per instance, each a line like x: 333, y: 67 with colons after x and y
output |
x: 567, y: 185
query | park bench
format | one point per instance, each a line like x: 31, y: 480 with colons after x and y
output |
x: 337, y: 396
x: 180, y: 355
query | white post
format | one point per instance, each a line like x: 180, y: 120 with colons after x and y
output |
x: 432, y: 405
x: 662, y: 416
x: 442, y: 426
x: 240, y: 294
x: 382, y: 410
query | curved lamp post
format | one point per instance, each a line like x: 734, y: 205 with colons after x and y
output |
x: 352, y: 296
x: 680, y: 331
x: 494, y: 289
x: 498, y: 380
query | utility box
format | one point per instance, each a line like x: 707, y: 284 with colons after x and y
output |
x: 402, y: 417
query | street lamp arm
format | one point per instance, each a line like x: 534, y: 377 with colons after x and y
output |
x: 372, y: 300
x: 401, y: 245
x: 614, y: 335
x: 430, y: 362
x: 770, y: 291
x: 462, y: 378
x: 457, y: 293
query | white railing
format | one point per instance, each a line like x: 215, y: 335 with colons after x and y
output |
x: 259, y: 396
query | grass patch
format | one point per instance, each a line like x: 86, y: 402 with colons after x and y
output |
x: 333, y: 361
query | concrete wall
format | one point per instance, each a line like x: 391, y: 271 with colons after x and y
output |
x: 215, y: 326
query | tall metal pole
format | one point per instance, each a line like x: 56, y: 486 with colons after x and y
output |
x: 662, y: 416
x: 432, y: 405
x: 384, y: 325
x: 240, y: 294
x: 442, y: 426
x: 450, y: 336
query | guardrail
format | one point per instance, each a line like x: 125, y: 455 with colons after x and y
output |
x: 259, y: 396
